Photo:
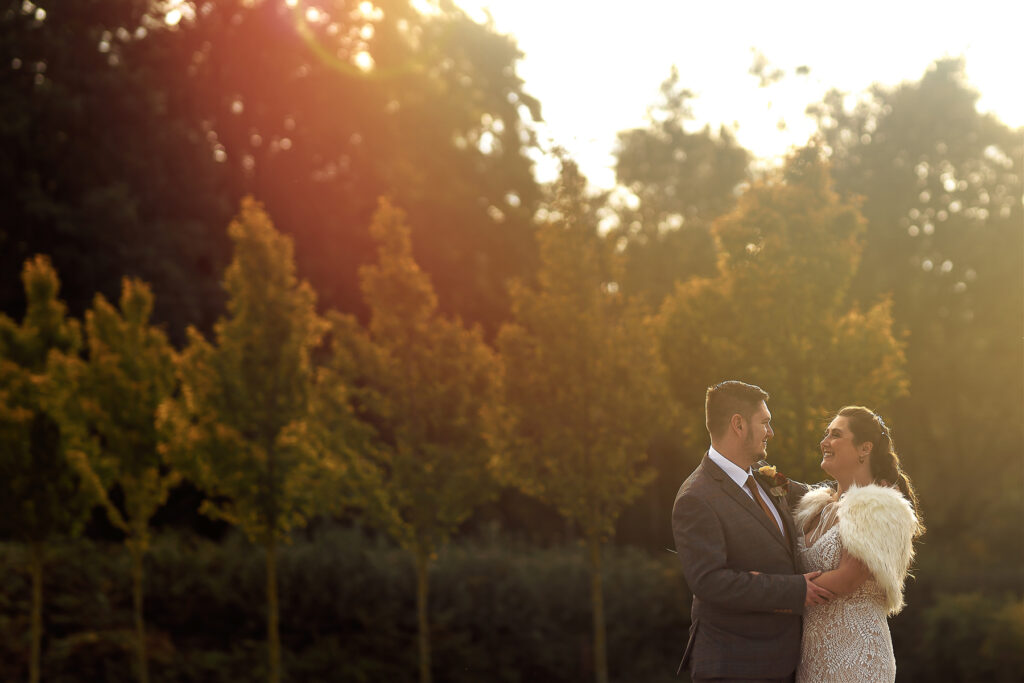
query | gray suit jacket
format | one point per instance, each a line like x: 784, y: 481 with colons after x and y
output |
x: 743, y: 625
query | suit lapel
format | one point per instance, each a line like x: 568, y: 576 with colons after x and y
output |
x: 746, y: 502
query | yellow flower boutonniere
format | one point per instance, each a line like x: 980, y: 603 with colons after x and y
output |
x: 778, y: 484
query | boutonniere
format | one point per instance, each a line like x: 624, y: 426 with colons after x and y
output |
x: 777, y: 483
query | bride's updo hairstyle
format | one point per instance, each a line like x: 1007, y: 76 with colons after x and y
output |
x: 885, y: 464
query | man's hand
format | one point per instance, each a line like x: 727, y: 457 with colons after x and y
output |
x: 816, y: 595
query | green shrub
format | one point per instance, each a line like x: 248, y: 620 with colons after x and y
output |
x: 500, y: 612
x: 972, y: 638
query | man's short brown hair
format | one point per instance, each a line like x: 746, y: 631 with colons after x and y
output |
x: 729, y: 398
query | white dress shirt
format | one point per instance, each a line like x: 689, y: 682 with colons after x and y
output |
x: 740, y: 477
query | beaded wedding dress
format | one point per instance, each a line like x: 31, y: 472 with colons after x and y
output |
x: 846, y: 640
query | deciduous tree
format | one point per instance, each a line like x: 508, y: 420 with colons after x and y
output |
x: 44, y: 496
x: 682, y: 180
x: 103, y: 159
x: 436, y: 388
x: 584, y: 384
x: 942, y: 184
x: 777, y: 315
x: 247, y: 401
x: 129, y: 373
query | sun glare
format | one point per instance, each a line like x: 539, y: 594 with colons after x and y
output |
x: 364, y: 61
x: 621, y: 58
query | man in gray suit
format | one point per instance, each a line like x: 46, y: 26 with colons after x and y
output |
x: 739, y: 552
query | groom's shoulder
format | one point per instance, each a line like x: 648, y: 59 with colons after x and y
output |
x: 699, y: 482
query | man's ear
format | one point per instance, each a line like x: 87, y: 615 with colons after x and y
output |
x: 736, y: 423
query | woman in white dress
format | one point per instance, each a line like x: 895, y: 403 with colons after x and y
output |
x: 860, y: 535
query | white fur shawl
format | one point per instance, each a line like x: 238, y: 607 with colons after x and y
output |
x: 810, y: 504
x: 877, y: 526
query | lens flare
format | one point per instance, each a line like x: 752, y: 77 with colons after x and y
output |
x: 358, y: 63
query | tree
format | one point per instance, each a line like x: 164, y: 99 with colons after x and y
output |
x: 584, y: 385
x: 98, y: 148
x: 942, y: 187
x: 247, y: 402
x: 436, y: 389
x: 775, y: 315
x: 320, y: 108
x: 130, y: 372
x: 682, y: 181
x: 315, y: 107
x: 45, y: 496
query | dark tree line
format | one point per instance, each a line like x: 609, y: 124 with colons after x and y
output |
x: 128, y: 142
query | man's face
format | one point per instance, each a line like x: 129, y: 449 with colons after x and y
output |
x: 759, y: 431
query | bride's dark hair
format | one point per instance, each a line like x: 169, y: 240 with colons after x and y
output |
x: 868, y: 426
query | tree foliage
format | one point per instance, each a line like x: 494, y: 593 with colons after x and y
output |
x: 103, y: 160
x: 942, y: 188
x: 127, y: 140
x: 682, y: 180
x: 246, y: 405
x: 129, y: 373
x: 43, y: 487
x: 776, y: 315
x: 44, y: 496
x: 436, y: 389
x: 321, y: 108
x: 584, y: 388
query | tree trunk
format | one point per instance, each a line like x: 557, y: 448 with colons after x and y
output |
x: 422, y: 586
x: 140, y: 625
x: 36, y: 552
x: 597, y: 602
x: 273, y: 638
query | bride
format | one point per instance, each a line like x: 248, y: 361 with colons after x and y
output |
x: 861, y: 537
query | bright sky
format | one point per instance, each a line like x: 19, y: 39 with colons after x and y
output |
x: 596, y: 66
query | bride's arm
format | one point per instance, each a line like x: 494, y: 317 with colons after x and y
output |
x: 847, y: 577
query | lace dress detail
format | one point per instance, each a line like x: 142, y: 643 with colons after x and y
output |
x: 846, y: 639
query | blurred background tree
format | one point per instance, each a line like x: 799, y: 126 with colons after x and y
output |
x: 584, y: 384
x: 245, y: 404
x: 681, y: 181
x: 105, y: 166
x: 776, y: 316
x: 130, y: 139
x: 942, y: 186
x: 320, y: 109
x: 130, y: 371
x: 438, y: 385
x: 45, y: 498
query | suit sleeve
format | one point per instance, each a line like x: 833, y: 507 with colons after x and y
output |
x: 700, y: 543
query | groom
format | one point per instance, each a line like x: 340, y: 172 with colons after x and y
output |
x: 737, y: 545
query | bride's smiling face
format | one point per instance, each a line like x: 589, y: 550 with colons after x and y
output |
x: 840, y: 457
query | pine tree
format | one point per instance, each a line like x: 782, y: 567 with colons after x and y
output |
x: 584, y: 385
x: 45, y: 497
